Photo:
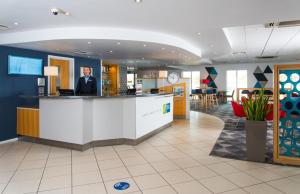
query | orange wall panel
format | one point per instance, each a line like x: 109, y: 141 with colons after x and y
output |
x: 28, y: 122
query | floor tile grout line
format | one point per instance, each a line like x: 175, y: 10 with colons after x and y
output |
x: 44, y: 169
x: 207, y: 177
x: 7, y: 149
x: 71, y: 172
x: 157, y: 170
x: 17, y: 168
x: 99, y: 170
x: 183, y: 168
x: 244, y: 171
x: 197, y: 180
x: 243, y: 187
x: 127, y: 169
x: 275, y: 187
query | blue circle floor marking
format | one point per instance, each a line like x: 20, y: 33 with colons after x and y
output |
x: 121, y: 186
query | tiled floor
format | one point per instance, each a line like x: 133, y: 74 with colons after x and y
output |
x: 174, y: 161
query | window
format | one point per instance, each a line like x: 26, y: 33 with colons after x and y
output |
x: 130, y: 80
x: 235, y: 79
x: 186, y: 74
x: 194, y: 77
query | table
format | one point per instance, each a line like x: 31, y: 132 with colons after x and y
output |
x: 222, y: 96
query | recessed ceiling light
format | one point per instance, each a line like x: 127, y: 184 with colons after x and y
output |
x: 16, y: 23
x: 138, y: 1
x: 56, y: 11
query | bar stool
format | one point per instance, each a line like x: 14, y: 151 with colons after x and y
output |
x: 212, y: 97
x: 193, y: 98
x: 200, y: 100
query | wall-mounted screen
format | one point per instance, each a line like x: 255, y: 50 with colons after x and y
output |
x: 24, y: 65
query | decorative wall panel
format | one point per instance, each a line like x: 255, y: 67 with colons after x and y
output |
x: 262, y: 77
x: 287, y: 127
x: 212, y: 74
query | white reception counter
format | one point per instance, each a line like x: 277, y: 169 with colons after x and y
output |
x: 94, y: 121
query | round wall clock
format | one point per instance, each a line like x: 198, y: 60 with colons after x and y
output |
x: 173, y: 78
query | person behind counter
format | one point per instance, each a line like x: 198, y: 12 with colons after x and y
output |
x: 86, y: 85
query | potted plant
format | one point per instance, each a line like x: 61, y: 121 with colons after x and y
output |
x: 256, y: 109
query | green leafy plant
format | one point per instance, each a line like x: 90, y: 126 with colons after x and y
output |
x: 256, y: 107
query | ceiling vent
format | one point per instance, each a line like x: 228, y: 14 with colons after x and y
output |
x: 283, y: 24
x: 3, y: 27
x: 267, y: 57
x: 239, y: 53
x: 83, y: 52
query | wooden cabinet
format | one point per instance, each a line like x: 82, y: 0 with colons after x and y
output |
x: 28, y: 122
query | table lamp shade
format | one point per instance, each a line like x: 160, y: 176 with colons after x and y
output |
x: 163, y: 74
x: 50, y: 71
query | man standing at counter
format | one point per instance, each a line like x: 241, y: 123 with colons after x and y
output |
x: 86, y: 85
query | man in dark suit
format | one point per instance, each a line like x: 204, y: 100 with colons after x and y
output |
x: 86, y: 85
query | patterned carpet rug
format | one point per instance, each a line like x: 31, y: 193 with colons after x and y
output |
x: 232, y: 140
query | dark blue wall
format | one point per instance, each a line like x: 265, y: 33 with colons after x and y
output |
x: 12, y: 86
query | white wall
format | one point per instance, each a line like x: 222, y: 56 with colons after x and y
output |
x: 221, y: 70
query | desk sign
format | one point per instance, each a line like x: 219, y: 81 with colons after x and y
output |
x: 121, y: 186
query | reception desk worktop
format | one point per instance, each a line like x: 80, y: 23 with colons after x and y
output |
x: 85, y: 121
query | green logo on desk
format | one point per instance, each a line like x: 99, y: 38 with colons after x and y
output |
x: 166, y: 108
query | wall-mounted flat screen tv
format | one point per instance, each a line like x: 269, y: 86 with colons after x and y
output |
x: 24, y: 65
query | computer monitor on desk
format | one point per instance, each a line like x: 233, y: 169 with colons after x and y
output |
x: 154, y: 91
x: 66, y: 92
x: 131, y: 92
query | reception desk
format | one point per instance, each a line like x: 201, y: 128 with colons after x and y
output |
x: 80, y: 122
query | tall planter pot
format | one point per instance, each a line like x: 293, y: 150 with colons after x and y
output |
x: 256, y: 137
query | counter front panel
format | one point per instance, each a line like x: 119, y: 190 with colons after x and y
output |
x: 84, y: 120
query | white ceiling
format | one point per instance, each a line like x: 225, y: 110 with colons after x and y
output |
x: 116, y: 51
x: 250, y: 42
x: 182, y: 19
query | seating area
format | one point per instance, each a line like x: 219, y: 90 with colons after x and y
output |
x: 249, y: 92
x: 208, y: 98
x: 238, y: 111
